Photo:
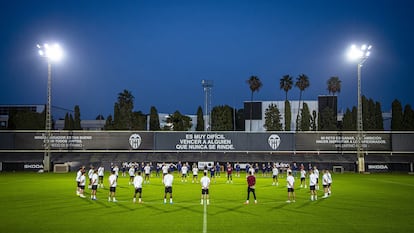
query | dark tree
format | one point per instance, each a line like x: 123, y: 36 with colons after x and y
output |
x: 139, y: 121
x: 109, y: 123
x: 66, y: 122
x: 123, y: 111
x: 379, y: 120
x: 178, y: 122
x: 26, y: 120
x: 408, y: 118
x: 272, y: 118
x: 77, y: 119
x: 349, y: 120
x: 397, y: 116
x: 305, y: 120
x: 154, y: 119
x: 200, y: 119
x: 222, y: 118
x: 100, y: 117
x: 327, y: 120
x: 288, y: 115
x: 69, y: 122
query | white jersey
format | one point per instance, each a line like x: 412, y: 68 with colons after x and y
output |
x: 195, y: 171
x: 168, y: 180
x: 164, y: 169
x: 325, y: 179
x: 275, y: 171
x: 116, y: 170
x: 184, y: 169
x: 101, y: 171
x: 78, y: 176
x: 290, y: 182
x: 302, y: 173
x: 316, y: 172
x: 312, y: 179
x: 112, y: 180
x: 138, y: 181
x: 90, y: 173
x: 251, y: 170
x: 147, y: 169
x: 329, y: 178
x: 131, y: 171
x: 287, y: 171
x: 205, y: 182
x: 94, y: 179
x: 82, y: 180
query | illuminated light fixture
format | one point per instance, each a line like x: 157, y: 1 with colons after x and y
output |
x: 361, y: 53
x: 51, y: 52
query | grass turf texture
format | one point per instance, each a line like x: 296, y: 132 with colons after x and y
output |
x: 31, y: 202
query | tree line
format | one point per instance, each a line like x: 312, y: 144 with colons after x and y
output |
x: 226, y: 118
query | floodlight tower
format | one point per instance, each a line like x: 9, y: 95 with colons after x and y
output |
x: 360, y: 54
x: 52, y: 53
x: 207, y: 86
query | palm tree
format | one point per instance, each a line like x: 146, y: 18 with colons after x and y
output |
x: 255, y: 84
x: 286, y: 84
x: 302, y: 82
x: 334, y: 85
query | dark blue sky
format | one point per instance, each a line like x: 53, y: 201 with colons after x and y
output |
x: 161, y: 50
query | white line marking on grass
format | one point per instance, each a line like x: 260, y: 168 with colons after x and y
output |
x: 205, y: 217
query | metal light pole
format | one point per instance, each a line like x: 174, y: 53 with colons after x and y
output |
x: 361, y: 55
x: 207, y: 86
x: 51, y: 53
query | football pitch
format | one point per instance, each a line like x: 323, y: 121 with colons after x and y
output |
x: 32, y: 202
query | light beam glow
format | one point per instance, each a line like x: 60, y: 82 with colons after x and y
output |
x: 359, y: 54
x: 51, y: 52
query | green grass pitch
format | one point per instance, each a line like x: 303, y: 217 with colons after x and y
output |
x: 31, y: 202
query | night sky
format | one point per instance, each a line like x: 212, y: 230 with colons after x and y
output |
x: 161, y: 50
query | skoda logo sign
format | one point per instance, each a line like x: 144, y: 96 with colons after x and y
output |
x: 274, y: 141
x: 135, y: 141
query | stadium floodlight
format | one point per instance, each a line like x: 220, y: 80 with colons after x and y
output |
x: 53, y: 53
x: 360, y: 54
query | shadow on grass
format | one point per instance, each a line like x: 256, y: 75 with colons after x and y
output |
x: 163, y: 209
x: 192, y: 209
x: 280, y: 206
x: 237, y: 208
x: 124, y: 206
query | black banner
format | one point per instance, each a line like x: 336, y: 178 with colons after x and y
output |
x: 342, y: 141
x: 227, y: 141
x: 205, y: 141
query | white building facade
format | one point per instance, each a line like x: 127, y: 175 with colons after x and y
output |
x: 257, y: 125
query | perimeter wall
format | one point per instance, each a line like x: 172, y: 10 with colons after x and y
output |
x: 333, y: 147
